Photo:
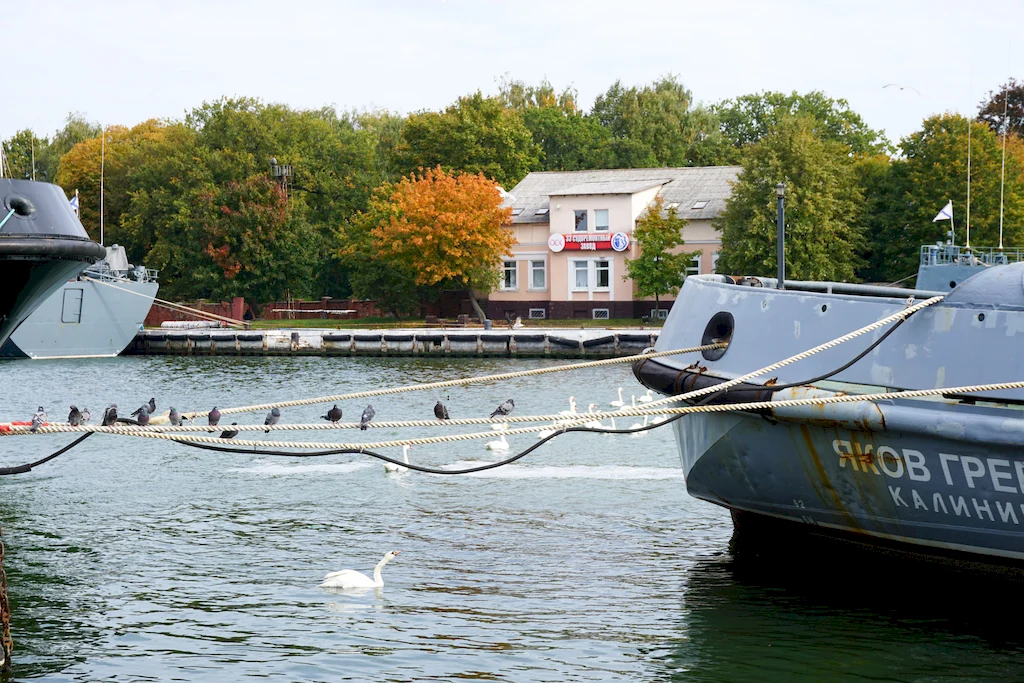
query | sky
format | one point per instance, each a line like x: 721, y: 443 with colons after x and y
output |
x: 125, y: 61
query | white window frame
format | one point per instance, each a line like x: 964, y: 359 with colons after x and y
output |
x: 607, y: 220
x: 530, y: 263
x: 606, y: 311
x: 694, y: 268
x: 591, y: 274
x: 538, y: 314
x: 586, y: 220
x: 659, y: 314
x: 714, y: 262
x: 504, y: 275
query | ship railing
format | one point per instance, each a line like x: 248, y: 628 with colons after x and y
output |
x: 954, y: 255
x: 103, y: 271
x: 822, y: 287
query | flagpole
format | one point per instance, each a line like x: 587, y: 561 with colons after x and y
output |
x: 1002, y: 176
x: 33, y: 156
x: 103, y: 142
x: 969, y: 126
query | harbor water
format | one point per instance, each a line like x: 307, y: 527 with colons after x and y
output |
x: 141, y: 560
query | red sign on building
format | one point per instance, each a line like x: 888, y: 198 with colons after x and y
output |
x: 589, y: 242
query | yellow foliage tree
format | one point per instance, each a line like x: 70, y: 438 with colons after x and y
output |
x: 447, y: 228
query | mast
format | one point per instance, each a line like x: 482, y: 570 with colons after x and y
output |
x: 33, y: 156
x: 103, y: 142
x: 1002, y: 174
x: 969, y: 126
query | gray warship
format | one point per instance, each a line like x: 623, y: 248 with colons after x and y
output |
x: 96, y: 314
x: 941, y: 475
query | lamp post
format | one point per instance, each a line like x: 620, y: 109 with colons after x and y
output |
x: 780, y: 195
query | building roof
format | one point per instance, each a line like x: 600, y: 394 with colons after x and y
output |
x: 687, y: 187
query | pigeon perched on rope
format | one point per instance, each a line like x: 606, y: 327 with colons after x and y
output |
x: 75, y: 417
x: 213, y: 416
x: 142, y: 415
x: 441, y: 411
x: 150, y: 407
x: 110, y: 415
x: 272, y: 417
x: 504, y: 409
x: 229, y: 433
x: 333, y: 415
x: 174, y: 417
x: 368, y: 414
x: 38, y: 419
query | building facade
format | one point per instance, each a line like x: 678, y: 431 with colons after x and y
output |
x: 575, y: 232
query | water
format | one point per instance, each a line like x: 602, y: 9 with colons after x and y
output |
x: 139, y: 560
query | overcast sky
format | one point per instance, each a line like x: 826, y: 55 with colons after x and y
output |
x: 126, y: 61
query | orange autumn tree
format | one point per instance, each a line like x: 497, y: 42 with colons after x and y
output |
x: 448, y: 229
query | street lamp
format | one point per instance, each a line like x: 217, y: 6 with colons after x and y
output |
x: 780, y: 195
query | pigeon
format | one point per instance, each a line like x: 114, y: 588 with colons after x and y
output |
x: 440, y: 411
x: 272, y: 417
x: 174, y: 417
x: 504, y: 409
x: 142, y: 415
x: 86, y: 415
x: 38, y: 419
x: 150, y: 407
x: 334, y: 414
x: 368, y: 414
x: 75, y: 417
x: 229, y: 433
x: 214, y: 416
x: 110, y: 415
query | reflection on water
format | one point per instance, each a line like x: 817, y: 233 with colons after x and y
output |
x: 586, y: 561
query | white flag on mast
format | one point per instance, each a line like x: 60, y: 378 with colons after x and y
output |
x: 74, y: 203
x: 946, y: 214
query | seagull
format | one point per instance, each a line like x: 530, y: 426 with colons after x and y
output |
x: 150, y: 407
x: 174, y: 417
x: 333, y: 415
x: 214, y: 416
x: 38, y: 419
x: 368, y: 414
x: 110, y: 415
x: 229, y: 433
x: 441, y: 411
x: 142, y: 415
x: 75, y: 417
x: 504, y: 409
x: 272, y: 417
x: 901, y: 87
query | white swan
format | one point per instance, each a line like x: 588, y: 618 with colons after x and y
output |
x: 545, y: 433
x: 350, y: 578
x: 392, y: 467
x: 593, y: 424
x: 572, y: 408
x: 646, y: 398
x: 609, y: 427
x: 618, y: 403
x: 658, y: 419
x: 499, y: 427
x: 500, y: 445
x: 637, y: 425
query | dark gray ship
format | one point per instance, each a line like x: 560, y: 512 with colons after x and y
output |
x: 42, y: 245
x: 941, y: 475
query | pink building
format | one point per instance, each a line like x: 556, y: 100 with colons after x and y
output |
x: 575, y: 231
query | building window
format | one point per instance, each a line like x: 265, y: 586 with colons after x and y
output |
x: 601, y: 219
x: 582, y: 271
x: 516, y: 212
x: 581, y: 220
x: 694, y: 268
x: 699, y: 204
x: 541, y: 212
x: 538, y: 276
x: 509, y: 282
x: 538, y: 313
x: 714, y: 262
x: 601, y: 314
x: 603, y: 269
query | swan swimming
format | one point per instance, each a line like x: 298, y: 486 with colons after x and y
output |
x: 500, y: 445
x: 646, y: 398
x: 350, y: 578
x: 392, y: 467
x: 619, y: 402
x: 572, y: 408
x: 593, y: 424
x: 637, y: 425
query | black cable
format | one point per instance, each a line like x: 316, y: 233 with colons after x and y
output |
x: 21, y: 469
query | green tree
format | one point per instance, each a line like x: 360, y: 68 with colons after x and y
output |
x: 20, y: 153
x: 76, y: 129
x: 823, y: 207
x: 658, y: 125
x: 1011, y: 96
x: 477, y: 134
x: 747, y: 119
x: 658, y: 269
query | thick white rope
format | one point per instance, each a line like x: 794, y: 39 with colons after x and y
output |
x: 165, y: 433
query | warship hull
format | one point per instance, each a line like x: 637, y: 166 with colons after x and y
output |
x: 942, y: 474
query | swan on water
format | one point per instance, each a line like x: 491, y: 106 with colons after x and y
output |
x: 646, y: 398
x: 572, y: 408
x: 392, y: 467
x: 593, y: 424
x: 500, y: 445
x: 499, y: 427
x: 618, y: 403
x: 638, y: 425
x: 350, y: 578
x: 658, y: 419
x: 608, y: 427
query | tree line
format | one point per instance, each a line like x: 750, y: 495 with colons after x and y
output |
x: 195, y: 197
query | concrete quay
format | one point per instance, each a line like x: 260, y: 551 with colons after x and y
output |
x: 532, y: 343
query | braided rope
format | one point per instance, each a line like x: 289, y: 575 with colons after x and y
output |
x: 901, y: 315
x: 151, y: 433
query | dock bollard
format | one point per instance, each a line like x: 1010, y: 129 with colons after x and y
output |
x: 6, y: 643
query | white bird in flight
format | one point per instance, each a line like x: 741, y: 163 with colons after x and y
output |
x: 901, y: 87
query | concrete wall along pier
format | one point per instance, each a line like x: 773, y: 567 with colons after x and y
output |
x: 497, y: 343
